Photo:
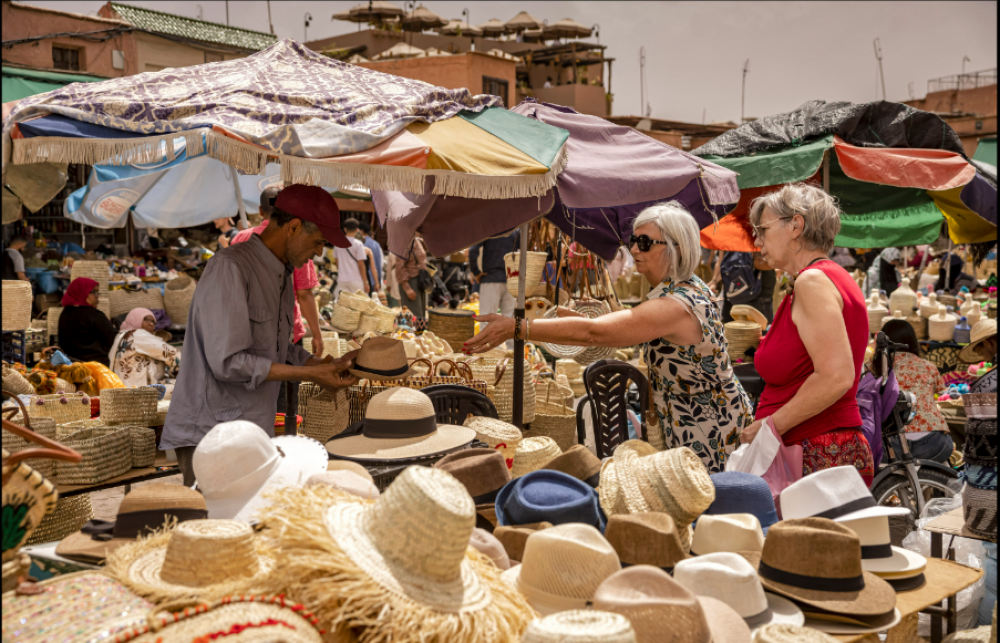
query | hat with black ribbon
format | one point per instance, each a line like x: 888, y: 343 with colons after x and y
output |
x: 382, y: 358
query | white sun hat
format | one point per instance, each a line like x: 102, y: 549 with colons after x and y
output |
x: 878, y: 556
x: 236, y: 462
x: 839, y: 494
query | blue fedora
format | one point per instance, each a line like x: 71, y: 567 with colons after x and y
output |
x: 743, y: 493
x: 551, y: 496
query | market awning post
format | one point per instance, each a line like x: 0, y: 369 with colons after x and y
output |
x: 244, y: 225
x: 518, y: 414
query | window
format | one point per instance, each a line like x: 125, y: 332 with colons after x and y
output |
x: 66, y: 58
x: 497, y: 87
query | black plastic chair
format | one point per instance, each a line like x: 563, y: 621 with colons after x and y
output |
x: 454, y: 403
x: 607, y: 383
x: 750, y: 379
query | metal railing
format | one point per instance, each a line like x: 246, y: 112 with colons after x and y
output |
x: 971, y: 80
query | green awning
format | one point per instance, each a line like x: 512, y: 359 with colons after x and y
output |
x: 986, y: 151
x: 787, y: 164
x: 21, y: 83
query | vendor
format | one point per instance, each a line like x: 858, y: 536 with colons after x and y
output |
x: 883, y: 275
x: 237, y: 348
x: 138, y: 356
x: 13, y: 260
x: 85, y: 333
x: 699, y: 402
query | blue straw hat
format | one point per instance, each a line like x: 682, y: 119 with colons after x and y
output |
x: 551, y: 496
x: 743, y: 493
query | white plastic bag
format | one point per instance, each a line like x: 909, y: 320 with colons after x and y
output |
x: 755, y: 458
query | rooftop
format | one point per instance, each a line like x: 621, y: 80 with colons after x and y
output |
x: 660, y: 125
x: 70, y: 14
x: 213, y: 32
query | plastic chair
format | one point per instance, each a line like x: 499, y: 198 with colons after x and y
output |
x: 607, y: 382
x: 750, y: 379
x: 454, y: 403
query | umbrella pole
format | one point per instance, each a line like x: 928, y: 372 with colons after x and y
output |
x: 518, y: 414
x: 826, y: 172
x: 947, y: 270
x: 244, y: 224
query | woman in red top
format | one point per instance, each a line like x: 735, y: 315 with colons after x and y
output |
x: 812, y: 356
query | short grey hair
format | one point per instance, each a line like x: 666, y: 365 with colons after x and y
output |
x: 675, y: 224
x: 817, y: 208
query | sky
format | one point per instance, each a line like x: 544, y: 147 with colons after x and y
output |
x: 695, y: 51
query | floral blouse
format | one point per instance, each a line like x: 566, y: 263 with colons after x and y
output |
x: 699, y: 401
x: 920, y: 377
x: 139, y: 358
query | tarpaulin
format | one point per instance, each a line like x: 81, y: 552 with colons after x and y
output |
x: 904, y: 167
x: 785, y: 164
x: 986, y: 151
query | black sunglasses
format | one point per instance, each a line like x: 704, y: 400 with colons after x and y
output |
x: 645, y: 243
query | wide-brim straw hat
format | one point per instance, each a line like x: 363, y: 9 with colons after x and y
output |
x: 198, y: 559
x: 399, y: 412
x: 580, y: 626
x: 398, y: 568
x: 983, y: 330
x: 578, y: 462
x: 534, y: 453
x: 382, y: 359
x: 787, y: 633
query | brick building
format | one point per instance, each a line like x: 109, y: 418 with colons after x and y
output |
x: 968, y: 102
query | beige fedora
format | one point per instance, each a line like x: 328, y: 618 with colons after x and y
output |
x: 786, y: 633
x: 562, y: 567
x: 737, y: 533
x: 578, y: 462
x: 515, y: 538
x: 381, y: 359
x: 655, y: 604
x: 499, y: 435
x: 580, y: 626
x: 983, y: 330
x: 533, y: 454
x: 645, y: 539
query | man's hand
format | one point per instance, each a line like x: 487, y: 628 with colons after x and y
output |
x: 317, y: 345
x: 409, y: 292
x: 333, y: 375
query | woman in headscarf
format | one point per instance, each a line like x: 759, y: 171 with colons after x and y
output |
x: 138, y: 356
x: 883, y: 274
x: 85, y: 333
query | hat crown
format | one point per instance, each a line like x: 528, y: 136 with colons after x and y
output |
x: 568, y: 560
x: 399, y: 403
x: 738, y: 492
x: 423, y: 522
x: 786, y: 633
x: 161, y: 496
x: 381, y: 354
x: 816, y: 547
x: 822, y: 492
x: 647, y: 538
x: 580, y: 626
x: 681, y: 483
x: 496, y: 429
x: 481, y: 470
x: 871, y: 531
x: 230, y: 452
x: 654, y: 603
x: 726, y: 577
x: 727, y: 533
x: 207, y: 552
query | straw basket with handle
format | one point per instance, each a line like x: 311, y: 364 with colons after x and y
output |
x: 534, y: 270
x: 466, y: 376
x: 177, y: 297
x: 63, y: 408
x: 553, y: 418
x: 15, y: 382
x: 14, y: 443
x: 454, y: 326
x: 129, y: 405
x: 125, y: 301
x: 503, y: 397
x: 325, y: 414
x: 358, y: 301
x: 143, y: 438
x: 16, y: 305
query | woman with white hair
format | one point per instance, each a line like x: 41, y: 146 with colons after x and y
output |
x: 811, y: 358
x: 699, y: 402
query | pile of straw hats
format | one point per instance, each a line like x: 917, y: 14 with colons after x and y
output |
x: 744, y: 332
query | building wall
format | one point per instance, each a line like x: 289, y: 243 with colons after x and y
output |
x: 26, y: 21
x: 155, y: 53
x: 452, y: 72
x: 586, y: 99
x: 376, y: 41
x: 981, y: 100
x: 971, y: 128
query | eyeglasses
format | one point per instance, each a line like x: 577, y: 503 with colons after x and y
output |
x: 645, y: 243
x: 758, y: 231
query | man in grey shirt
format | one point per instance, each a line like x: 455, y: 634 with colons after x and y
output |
x: 13, y: 263
x: 239, y: 327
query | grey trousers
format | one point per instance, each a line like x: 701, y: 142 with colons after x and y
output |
x: 185, y: 455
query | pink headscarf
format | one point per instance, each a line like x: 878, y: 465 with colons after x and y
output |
x: 134, y: 319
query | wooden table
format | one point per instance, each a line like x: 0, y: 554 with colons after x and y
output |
x: 160, y: 469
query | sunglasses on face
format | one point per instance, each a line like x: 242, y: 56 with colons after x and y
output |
x: 645, y: 243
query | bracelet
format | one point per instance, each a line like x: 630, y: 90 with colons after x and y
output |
x: 517, y: 328
x: 527, y: 330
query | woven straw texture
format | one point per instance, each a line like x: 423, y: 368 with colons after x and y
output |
x: 162, y: 408
x: 324, y: 413
x: 96, y: 270
x: 358, y: 301
x: 69, y: 407
x: 106, y: 454
x: 28, y: 492
x: 941, y: 327
x: 497, y: 434
x: 919, y: 324
x: 561, y: 352
x: 125, y: 301
x: 331, y: 344
x: 62, y: 386
x: 786, y: 633
x: 360, y: 394
x: 570, y: 368
x: 534, y: 269
x: 580, y: 626
x: 43, y: 426
x: 876, y: 311
x: 16, y: 383
x: 555, y: 421
x: 143, y: 438
x: 533, y: 454
x: 503, y: 397
x: 177, y: 297
x: 52, y: 322
x: 12, y: 570
x: 345, y: 318
x: 69, y: 516
x: 16, y: 305
x: 379, y: 319
x: 903, y: 298
x: 129, y: 405
x: 454, y: 326
x: 592, y: 308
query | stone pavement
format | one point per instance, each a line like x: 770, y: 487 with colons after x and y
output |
x: 106, y: 502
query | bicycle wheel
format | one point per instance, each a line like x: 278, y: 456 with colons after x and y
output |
x: 896, y: 491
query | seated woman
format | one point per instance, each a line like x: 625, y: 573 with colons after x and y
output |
x: 85, y: 333
x: 139, y: 357
x: 699, y: 402
x: 812, y: 356
x: 928, y: 431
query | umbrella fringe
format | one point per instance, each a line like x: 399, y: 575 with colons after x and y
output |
x: 474, y: 186
x: 333, y: 174
x: 118, y: 151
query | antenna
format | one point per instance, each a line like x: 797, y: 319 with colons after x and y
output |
x: 743, y: 101
x: 305, y: 31
x: 909, y: 88
x: 642, y: 78
x: 200, y: 13
x: 878, y: 56
x: 965, y: 59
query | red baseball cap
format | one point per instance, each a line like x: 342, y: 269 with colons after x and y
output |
x: 312, y: 203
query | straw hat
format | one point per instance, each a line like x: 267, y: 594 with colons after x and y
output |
x: 817, y: 562
x: 655, y: 603
x: 736, y: 533
x: 142, y: 511
x: 381, y: 359
x: 580, y: 626
x: 236, y: 462
x: 487, y: 544
x: 552, y: 496
x: 983, y: 330
x: 878, y: 556
x: 751, y: 313
x: 646, y: 539
x: 562, y: 567
x: 348, y: 481
x: 400, y: 423
x: 497, y: 434
x: 731, y: 579
x: 533, y: 454
x: 580, y: 463
x: 397, y: 568
x: 786, y: 633
x: 30, y: 497
x: 203, y: 559
x: 838, y: 493
x: 737, y: 493
x: 514, y: 539
x: 482, y: 472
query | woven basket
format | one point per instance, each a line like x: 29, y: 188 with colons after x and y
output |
x: 69, y: 516
x: 534, y: 269
x: 143, y: 438
x: 919, y: 324
x: 503, y: 398
x: 368, y: 323
x: 561, y: 352
x: 454, y: 326
x: 125, y: 301
x: 13, y: 570
x: 16, y: 383
x: 386, y: 319
x: 45, y: 427
x: 16, y: 304
x: 358, y: 301
x: 106, y: 454
x: 345, y: 318
x: 553, y: 418
x: 129, y: 405
x: 331, y: 345
x: 324, y: 413
x: 77, y: 407
x: 592, y: 308
x: 52, y: 322
x: 96, y: 270
x: 941, y: 327
x: 177, y: 297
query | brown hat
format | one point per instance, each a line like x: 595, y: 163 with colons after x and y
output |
x: 382, y: 358
x: 817, y: 562
x: 142, y: 511
x: 487, y: 544
x: 578, y: 462
x: 645, y: 539
x: 514, y: 538
x: 482, y: 471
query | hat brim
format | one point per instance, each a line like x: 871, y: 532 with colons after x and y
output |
x: 726, y: 625
x: 303, y: 457
x: 780, y: 610
x: 81, y: 548
x: 968, y: 353
x: 907, y: 584
x: 361, y: 373
x: 875, y: 599
x: 873, y: 512
x: 544, y: 604
x: 888, y: 621
x: 903, y: 563
x: 447, y: 437
x: 334, y: 235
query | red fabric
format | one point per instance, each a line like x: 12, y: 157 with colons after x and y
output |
x: 77, y: 292
x: 925, y: 169
x: 784, y: 363
x: 839, y: 448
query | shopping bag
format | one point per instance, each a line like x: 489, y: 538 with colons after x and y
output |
x: 768, y: 457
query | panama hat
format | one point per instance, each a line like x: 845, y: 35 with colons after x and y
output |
x: 515, y: 538
x: 552, y: 496
x: 347, y: 481
x: 838, y: 493
x: 381, y: 359
x: 731, y: 579
x: 817, y: 563
x: 879, y: 556
x: 983, y: 330
x: 482, y: 472
x: 487, y: 544
x: 236, y: 462
x: 734, y: 533
x: 786, y: 633
x: 655, y: 604
x: 533, y: 454
x: 497, y: 434
x: 203, y: 559
x: 399, y: 424
x: 578, y: 462
x: 142, y: 511
x: 645, y: 539
x: 562, y: 567
x: 398, y: 568
x: 580, y: 626
x: 743, y: 493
